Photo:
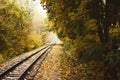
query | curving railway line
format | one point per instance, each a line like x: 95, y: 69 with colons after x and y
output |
x: 22, y: 69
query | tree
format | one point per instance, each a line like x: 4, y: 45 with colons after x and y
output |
x: 15, y: 25
x: 87, y: 26
x: 107, y: 15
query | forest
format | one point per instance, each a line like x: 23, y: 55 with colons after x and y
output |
x: 90, y: 30
x: 17, y: 33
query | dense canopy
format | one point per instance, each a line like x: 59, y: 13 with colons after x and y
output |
x: 89, y: 28
x: 17, y: 34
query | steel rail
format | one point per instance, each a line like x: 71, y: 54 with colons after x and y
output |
x: 6, y: 71
x: 44, y: 53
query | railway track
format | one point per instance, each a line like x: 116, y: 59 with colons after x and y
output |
x: 21, y: 69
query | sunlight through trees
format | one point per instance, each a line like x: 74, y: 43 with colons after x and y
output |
x: 18, y: 32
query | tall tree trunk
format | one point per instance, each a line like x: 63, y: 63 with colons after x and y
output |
x: 106, y: 37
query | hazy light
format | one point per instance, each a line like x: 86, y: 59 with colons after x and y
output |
x: 104, y: 1
x: 35, y: 5
x: 38, y: 8
x: 52, y: 38
x: 39, y: 16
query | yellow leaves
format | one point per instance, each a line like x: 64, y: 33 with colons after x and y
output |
x: 21, y: 44
x: 96, y: 68
x: 15, y: 26
x: 91, y: 25
x: 59, y: 5
x: 60, y: 29
x: 67, y: 71
x: 30, y: 46
x: 11, y: 11
x: 73, y: 16
x: 16, y: 14
x: 1, y: 58
x: 1, y: 18
x: 115, y: 31
x: 36, y: 40
x: 45, y: 2
x: 51, y: 24
x: 50, y: 69
x: 82, y: 11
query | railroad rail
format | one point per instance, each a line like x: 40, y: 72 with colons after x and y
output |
x: 19, y: 70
